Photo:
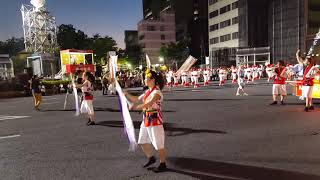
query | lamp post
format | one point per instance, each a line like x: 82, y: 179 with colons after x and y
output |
x: 161, y: 59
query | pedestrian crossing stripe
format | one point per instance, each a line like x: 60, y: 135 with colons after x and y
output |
x: 3, y: 118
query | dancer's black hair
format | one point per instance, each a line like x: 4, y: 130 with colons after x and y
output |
x: 158, y: 77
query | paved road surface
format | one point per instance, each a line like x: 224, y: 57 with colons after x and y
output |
x: 210, y: 134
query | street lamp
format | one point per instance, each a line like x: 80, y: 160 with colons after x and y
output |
x: 161, y: 60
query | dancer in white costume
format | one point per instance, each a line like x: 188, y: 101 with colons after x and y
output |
x: 176, y: 79
x: 222, y: 76
x: 151, y: 129
x: 308, y: 76
x: 260, y: 70
x: 87, y: 102
x: 270, y: 71
x: 234, y: 74
x: 184, y: 79
x: 241, y: 83
x: 255, y: 73
x: 195, y: 78
x: 169, y: 76
x: 249, y: 74
x: 206, y: 77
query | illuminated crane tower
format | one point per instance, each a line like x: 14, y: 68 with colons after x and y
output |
x: 40, y: 37
x: 39, y: 27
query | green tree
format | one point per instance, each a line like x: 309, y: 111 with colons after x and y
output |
x: 101, y: 46
x: 175, y: 52
x: 12, y: 46
x: 134, y: 54
x: 70, y: 38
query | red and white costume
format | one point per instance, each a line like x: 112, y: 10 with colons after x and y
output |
x: 87, y: 103
x: 175, y: 79
x: 206, y: 77
x: 169, y: 76
x: 255, y: 73
x: 184, y: 79
x: 151, y: 128
x: 270, y: 71
x: 308, y: 77
x: 195, y: 78
x: 234, y: 74
x: 248, y: 73
x: 260, y: 71
x: 222, y: 76
x: 279, y: 84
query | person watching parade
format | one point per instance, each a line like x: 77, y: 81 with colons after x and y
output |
x: 36, y: 92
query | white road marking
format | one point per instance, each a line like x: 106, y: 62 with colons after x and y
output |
x: 51, y: 103
x: 3, y: 118
x: 48, y: 98
x: 11, y: 136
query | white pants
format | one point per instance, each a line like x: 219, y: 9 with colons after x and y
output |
x: 241, y: 83
x: 279, y: 89
x: 222, y: 78
x: 184, y: 79
x: 205, y: 78
x: 87, y: 107
x: 195, y: 80
x: 307, y: 91
x: 152, y: 135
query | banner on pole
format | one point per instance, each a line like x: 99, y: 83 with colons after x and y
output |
x: 148, y: 62
x: 187, y: 65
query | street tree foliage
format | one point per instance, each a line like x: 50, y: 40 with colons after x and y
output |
x: 14, y: 47
x: 69, y: 37
x: 134, y: 54
x: 176, y: 52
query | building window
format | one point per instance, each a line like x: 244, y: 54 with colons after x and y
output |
x: 235, y: 35
x: 143, y: 45
x: 141, y: 37
x: 235, y: 20
x: 225, y: 38
x: 212, y: 2
x: 225, y: 9
x: 214, y: 40
x: 163, y: 37
x: 214, y: 14
x: 225, y: 23
x: 214, y: 27
x: 161, y: 28
x: 235, y: 5
x: 151, y: 28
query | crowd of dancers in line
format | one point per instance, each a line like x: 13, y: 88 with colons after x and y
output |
x: 305, y: 70
x: 150, y: 102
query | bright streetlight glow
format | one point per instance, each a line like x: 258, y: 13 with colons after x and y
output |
x: 161, y: 59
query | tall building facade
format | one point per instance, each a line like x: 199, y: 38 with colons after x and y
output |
x: 131, y: 38
x: 155, y: 33
x: 191, y: 21
x: 223, y: 31
x: 281, y: 25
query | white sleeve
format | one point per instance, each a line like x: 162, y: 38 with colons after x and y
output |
x: 159, y: 93
x: 141, y: 96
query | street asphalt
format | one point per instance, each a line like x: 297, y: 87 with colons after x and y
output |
x: 210, y: 134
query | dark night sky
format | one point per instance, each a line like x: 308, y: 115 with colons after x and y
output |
x: 106, y: 17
